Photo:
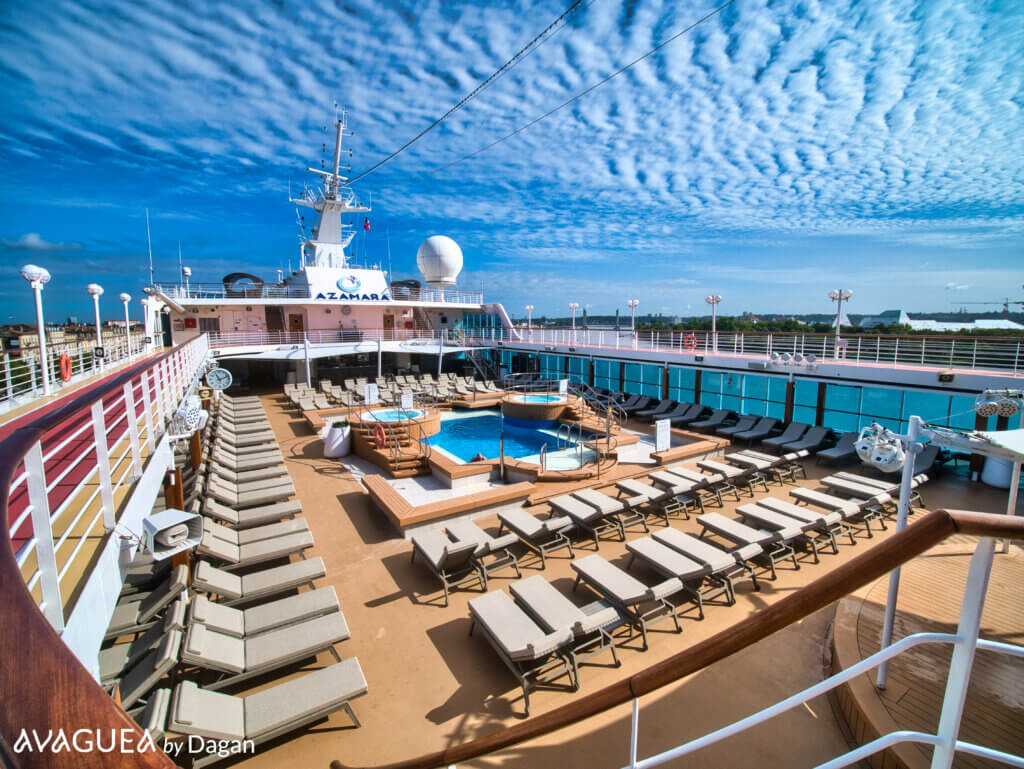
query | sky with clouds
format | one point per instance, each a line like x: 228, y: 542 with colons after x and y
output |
x: 779, y: 150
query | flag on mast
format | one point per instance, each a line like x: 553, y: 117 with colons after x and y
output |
x: 366, y: 224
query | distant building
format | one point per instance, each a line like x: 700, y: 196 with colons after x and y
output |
x: 887, y: 318
x: 966, y: 325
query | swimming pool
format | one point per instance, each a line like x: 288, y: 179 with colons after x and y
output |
x: 539, y: 399
x: 391, y: 415
x: 466, y: 436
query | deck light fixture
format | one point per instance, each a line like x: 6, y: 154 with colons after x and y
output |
x: 38, y: 277
x: 714, y: 301
x: 125, y: 298
x: 573, y: 306
x: 96, y: 291
x: 839, y: 296
x: 186, y: 273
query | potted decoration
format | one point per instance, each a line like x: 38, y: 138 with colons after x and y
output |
x: 338, y: 440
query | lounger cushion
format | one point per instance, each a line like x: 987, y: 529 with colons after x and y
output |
x: 695, y: 548
x: 209, y: 714
x: 130, y: 613
x: 223, y: 619
x: 274, y: 580
x: 294, y: 642
x: 556, y: 611
x: 210, y: 649
x: 218, y: 581
x: 667, y: 558
x: 303, y: 698
x: 144, y: 675
x: 617, y: 584
x: 514, y: 630
x: 154, y: 717
x: 311, y: 603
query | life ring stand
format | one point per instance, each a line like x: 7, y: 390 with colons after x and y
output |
x: 379, y: 437
x: 690, y: 341
x: 65, y: 367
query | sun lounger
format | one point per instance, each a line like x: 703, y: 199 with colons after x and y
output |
x: 858, y: 491
x: 635, y: 403
x: 713, y: 422
x: 282, y: 482
x: 542, y: 537
x: 591, y: 625
x: 892, y: 487
x: 710, y: 486
x: 759, y: 431
x: 794, y: 431
x: 865, y: 510
x: 653, y: 413
x: 234, y: 589
x: 242, y: 623
x: 114, y: 660
x: 253, y: 516
x: 811, y: 441
x: 831, y: 519
x: 238, y: 659
x: 145, y: 674
x: 629, y: 594
x: 260, y: 717
x: 693, y: 413
x: 776, y: 544
x: 270, y: 472
x: 242, y: 439
x: 486, y: 545
x: 224, y: 493
x: 138, y: 612
x: 671, y: 563
x: 725, y: 565
x: 745, y: 423
x: 253, y: 553
x: 734, y: 476
x: 661, y: 501
x: 587, y: 517
x: 607, y: 505
x: 787, y: 465
x: 679, y: 410
x: 773, y: 520
x: 239, y: 537
x: 452, y: 562
x: 243, y: 463
x: 532, y: 654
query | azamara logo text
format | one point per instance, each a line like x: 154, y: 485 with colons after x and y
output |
x: 341, y: 296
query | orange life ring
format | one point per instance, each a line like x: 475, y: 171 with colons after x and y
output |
x: 690, y: 341
x: 378, y: 436
x: 65, y: 367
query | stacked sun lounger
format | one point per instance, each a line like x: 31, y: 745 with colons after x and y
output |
x: 177, y: 639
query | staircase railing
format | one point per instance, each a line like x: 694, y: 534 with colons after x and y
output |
x: 898, y: 549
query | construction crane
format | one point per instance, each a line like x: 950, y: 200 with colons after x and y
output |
x: 1005, y: 304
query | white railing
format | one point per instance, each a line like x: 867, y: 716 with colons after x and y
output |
x: 65, y: 496
x: 202, y: 291
x: 945, y: 741
x: 942, y: 352
x: 21, y: 375
x: 323, y: 336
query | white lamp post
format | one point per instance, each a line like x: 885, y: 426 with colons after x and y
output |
x: 125, y: 298
x: 96, y: 291
x: 714, y: 301
x: 186, y: 273
x: 633, y: 303
x: 38, y: 277
x: 573, y: 306
x: 838, y: 296
x: 529, y: 320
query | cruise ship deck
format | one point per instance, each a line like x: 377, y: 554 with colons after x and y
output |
x: 433, y: 686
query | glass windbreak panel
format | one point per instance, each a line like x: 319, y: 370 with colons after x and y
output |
x: 961, y: 412
x: 755, y: 387
x: 755, y: 407
x: 579, y: 370
x: 552, y: 366
x: 682, y: 378
x: 775, y: 410
x: 777, y: 389
x: 931, y: 407
x: 804, y: 414
x: 711, y: 382
x: 732, y: 385
x: 633, y: 382
x: 880, y: 403
x: 730, y: 402
x: 710, y: 399
x: 842, y: 398
x: 842, y: 421
x: 805, y: 393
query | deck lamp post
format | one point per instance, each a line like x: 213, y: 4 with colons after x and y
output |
x: 573, y: 306
x: 96, y: 291
x: 529, y: 320
x: 839, y: 296
x: 125, y: 298
x: 186, y: 273
x: 633, y: 304
x: 38, y: 277
x: 714, y: 301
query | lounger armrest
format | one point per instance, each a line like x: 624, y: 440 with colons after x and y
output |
x: 557, y: 524
x: 502, y: 542
x: 542, y: 646
x: 670, y: 586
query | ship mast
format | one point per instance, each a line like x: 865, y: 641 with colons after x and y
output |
x: 330, y: 238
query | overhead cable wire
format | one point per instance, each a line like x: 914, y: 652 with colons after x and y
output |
x: 711, y: 14
x: 520, y: 54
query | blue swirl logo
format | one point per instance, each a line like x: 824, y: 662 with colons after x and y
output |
x: 350, y: 284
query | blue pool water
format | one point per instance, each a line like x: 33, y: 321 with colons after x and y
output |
x: 391, y: 415
x: 480, y: 434
x: 540, y: 398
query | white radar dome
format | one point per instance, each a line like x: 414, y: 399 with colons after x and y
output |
x: 440, y: 260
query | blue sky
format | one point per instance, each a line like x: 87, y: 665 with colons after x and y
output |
x: 780, y: 150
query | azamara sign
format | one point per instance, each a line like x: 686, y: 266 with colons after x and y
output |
x: 333, y: 285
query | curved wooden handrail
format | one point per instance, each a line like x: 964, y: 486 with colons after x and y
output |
x: 866, y: 567
x: 43, y: 686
